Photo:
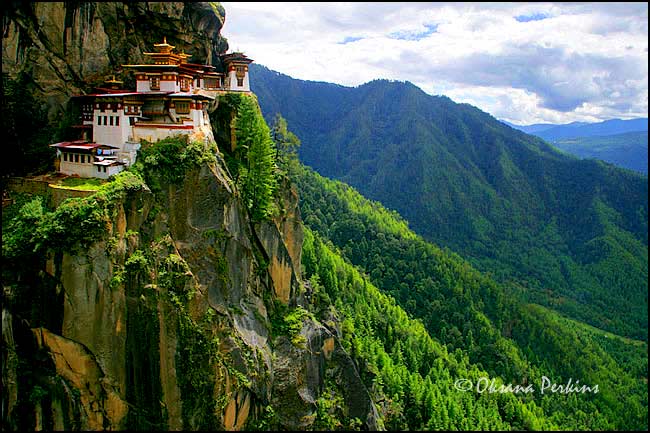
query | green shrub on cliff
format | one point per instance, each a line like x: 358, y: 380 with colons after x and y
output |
x: 18, y: 235
x: 34, y: 230
x: 170, y: 158
x: 286, y: 142
x: 76, y: 222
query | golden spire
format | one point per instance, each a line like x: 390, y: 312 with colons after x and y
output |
x: 164, y: 47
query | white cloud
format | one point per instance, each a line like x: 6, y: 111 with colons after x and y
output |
x: 523, y: 62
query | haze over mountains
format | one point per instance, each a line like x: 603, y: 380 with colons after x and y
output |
x: 572, y: 233
x: 621, y: 142
x: 628, y: 150
x: 552, y: 132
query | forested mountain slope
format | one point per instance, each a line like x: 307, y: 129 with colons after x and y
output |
x: 573, y: 233
x: 469, y: 312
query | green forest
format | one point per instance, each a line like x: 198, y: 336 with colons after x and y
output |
x: 492, y: 324
x: 572, y: 233
x: 418, y: 374
x: 469, y: 312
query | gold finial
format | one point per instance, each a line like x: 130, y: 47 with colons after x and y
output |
x: 164, y: 47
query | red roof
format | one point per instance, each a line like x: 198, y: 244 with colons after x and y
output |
x: 81, y: 145
x: 239, y: 57
x: 127, y: 93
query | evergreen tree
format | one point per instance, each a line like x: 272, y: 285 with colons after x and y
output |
x: 255, y: 149
x: 286, y: 142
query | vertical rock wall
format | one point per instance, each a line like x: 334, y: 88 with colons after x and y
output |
x: 176, y: 271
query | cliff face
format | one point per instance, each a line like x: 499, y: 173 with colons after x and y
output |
x: 156, y: 303
x: 172, y: 318
x: 66, y: 48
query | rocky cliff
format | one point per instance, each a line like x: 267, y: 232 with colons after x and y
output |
x: 168, y: 310
x: 157, y: 302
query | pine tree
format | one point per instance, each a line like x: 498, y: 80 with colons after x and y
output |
x: 286, y: 142
x: 256, y: 151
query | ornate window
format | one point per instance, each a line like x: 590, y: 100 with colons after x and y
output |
x: 154, y: 82
x: 240, y: 72
x: 185, y: 84
x: 211, y: 83
x: 182, y: 107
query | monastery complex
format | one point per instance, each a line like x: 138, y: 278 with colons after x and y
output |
x: 171, y: 97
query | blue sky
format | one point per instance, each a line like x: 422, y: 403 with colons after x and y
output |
x: 521, y: 62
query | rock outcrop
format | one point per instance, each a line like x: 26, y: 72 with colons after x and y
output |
x: 99, y: 402
x: 67, y: 48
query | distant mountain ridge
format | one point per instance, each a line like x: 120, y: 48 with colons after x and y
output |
x: 620, y: 142
x: 552, y: 132
x: 538, y: 127
x: 573, y: 232
x: 629, y: 150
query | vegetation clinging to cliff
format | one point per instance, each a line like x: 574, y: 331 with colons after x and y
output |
x: 77, y: 222
x: 255, y: 153
x: 170, y: 158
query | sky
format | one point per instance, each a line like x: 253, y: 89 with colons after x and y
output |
x: 521, y: 62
